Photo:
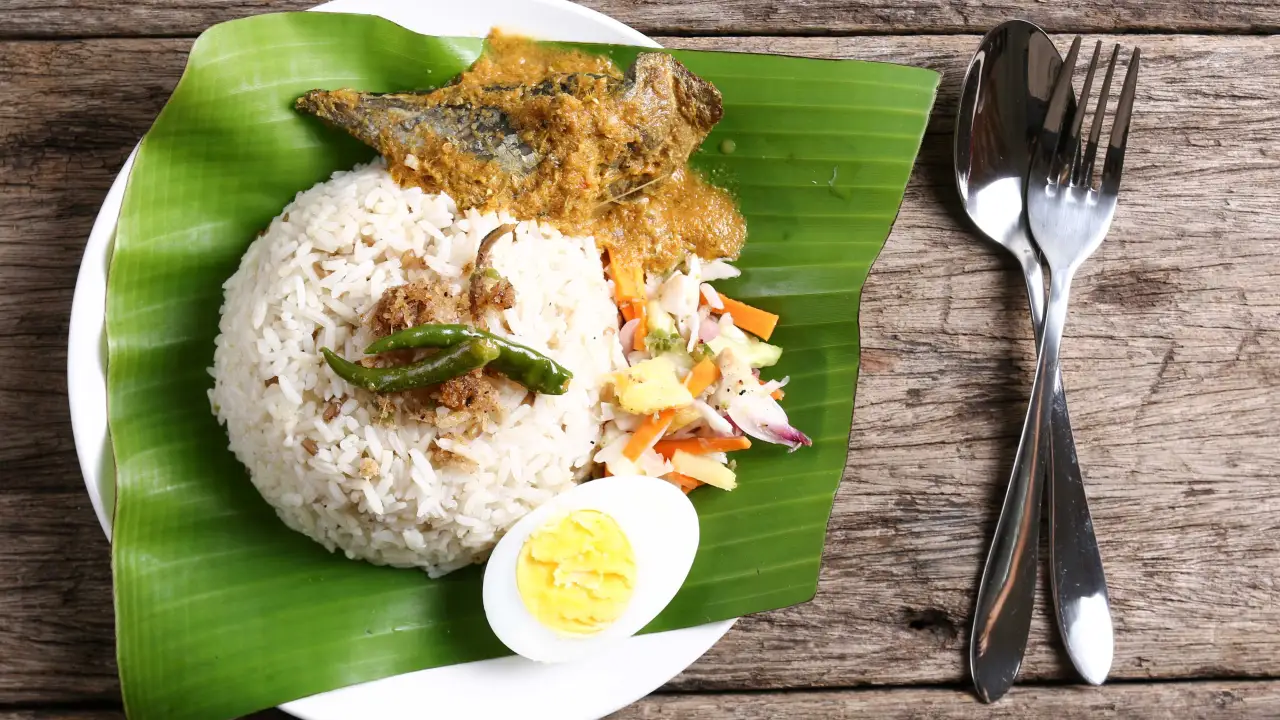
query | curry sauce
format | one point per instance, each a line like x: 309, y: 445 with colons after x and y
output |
x: 562, y: 136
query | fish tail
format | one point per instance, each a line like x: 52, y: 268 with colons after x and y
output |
x: 343, y: 109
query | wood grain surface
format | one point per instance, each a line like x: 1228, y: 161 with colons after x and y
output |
x: 1173, y: 701
x: 95, y: 18
x: 1172, y: 364
x: 1211, y: 700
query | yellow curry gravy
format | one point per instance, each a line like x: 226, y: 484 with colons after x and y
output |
x: 647, y: 208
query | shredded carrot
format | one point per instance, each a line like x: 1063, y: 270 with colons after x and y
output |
x: 752, y: 319
x: 628, y: 293
x: 777, y: 394
x: 701, y: 377
x: 642, y: 328
x: 701, y: 446
x: 686, y: 483
x: 655, y: 426
x: 625, y: 287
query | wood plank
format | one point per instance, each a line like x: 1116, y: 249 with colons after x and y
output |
x: 1168, y: 701
x: 1171, y: 351
x: 1204, y: 700
x: 57, y: 159
x: 54, y: 712
x: 56, y: 617
x: 104, y: 18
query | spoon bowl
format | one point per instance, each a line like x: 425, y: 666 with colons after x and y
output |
x: 1002, y: 107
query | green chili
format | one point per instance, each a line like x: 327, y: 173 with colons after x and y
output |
x: 458, y: 360
x: 522, y: 364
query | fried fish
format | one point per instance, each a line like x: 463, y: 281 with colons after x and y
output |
x: 601, y: 136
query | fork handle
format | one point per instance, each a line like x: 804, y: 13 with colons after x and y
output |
x: 1079, y: 584
x: 1006, y: 595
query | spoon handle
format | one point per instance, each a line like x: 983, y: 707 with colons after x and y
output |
x: 1002, y: 616
x: 1007, y: 593
x: 1079, y: 583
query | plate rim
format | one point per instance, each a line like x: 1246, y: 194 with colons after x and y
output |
x: 87, y: 392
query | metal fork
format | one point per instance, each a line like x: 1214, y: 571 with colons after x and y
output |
x: 1068, y: 219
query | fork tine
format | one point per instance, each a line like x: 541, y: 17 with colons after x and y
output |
x: 1071, y: 144
x: 1095, y: 132
x: 1061, y: 89
x: 1047, y: 148
x: 1120, y: 128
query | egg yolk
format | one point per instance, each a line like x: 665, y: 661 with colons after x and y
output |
x: 576, y: 574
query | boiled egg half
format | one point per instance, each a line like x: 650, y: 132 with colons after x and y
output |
x: 590, y: 567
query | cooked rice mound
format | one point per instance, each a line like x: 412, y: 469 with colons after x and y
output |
x: 386, y: 480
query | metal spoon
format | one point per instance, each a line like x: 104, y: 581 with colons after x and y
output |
x: 1002, y: 104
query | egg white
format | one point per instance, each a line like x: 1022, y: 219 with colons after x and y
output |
x: 662, y: 527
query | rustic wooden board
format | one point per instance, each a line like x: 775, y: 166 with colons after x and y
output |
x: 1213, y: 700
x: 1173, y: 701
x: 1173, y: 347
x: 70, y: 113
x: 92, y: 18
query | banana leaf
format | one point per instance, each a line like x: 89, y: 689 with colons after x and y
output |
x: 220, y: 609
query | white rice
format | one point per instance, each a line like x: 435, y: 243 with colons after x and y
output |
x: 402, y: 510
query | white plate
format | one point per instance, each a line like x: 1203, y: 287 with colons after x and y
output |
x: 505, y: 687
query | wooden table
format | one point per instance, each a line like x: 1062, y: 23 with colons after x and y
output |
x: 1172, y: 360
